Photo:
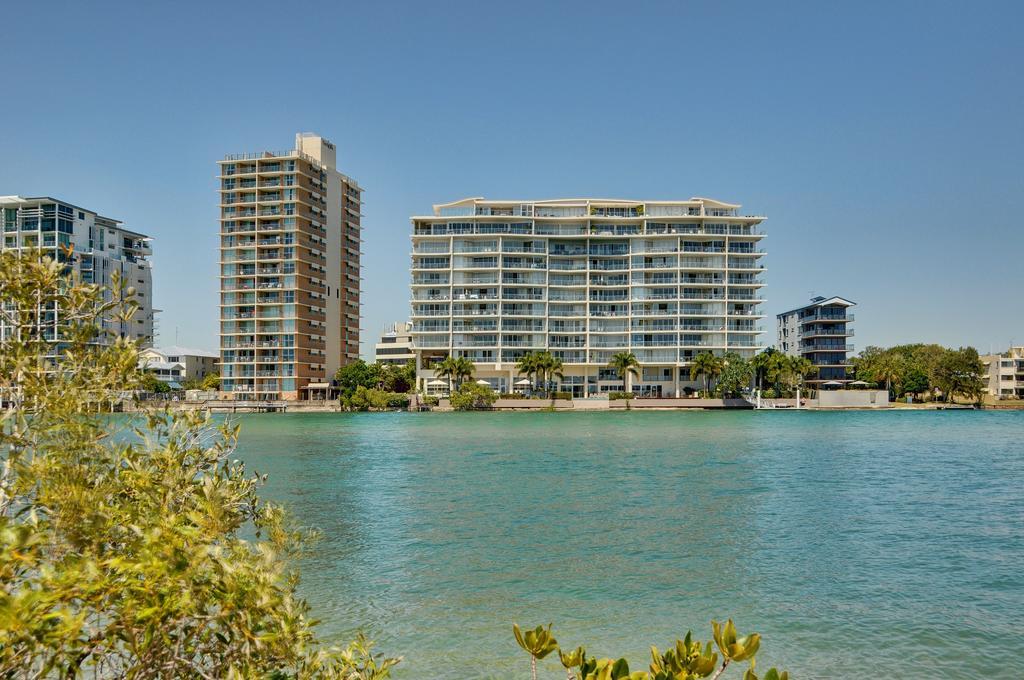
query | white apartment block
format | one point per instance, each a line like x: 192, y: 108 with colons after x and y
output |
x: 175, y: 364
x: 99, y: 246
x: 395, y: 346
x: 585, y: 279
x: 1004, y: 374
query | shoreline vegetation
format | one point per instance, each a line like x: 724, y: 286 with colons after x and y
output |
x: 144, y: 550
x: 915, y: 376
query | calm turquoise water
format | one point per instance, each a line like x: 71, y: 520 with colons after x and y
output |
x: 885, y: 542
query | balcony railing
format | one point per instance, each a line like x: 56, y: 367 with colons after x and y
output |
x: 826, y: 316
x: 811, y: 332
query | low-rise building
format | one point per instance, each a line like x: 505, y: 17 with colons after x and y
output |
x: 175, y: 364
x: 1004, y: 374
x: 819, y: 332
x: 395, y: 346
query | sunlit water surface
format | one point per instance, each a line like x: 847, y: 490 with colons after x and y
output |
x: 860, y: 544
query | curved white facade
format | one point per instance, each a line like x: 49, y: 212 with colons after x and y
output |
x: 584, y: 279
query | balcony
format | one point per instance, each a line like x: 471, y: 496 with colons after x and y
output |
x: 819, y: 347
x: 703, y: 249
x: 510, y: 248
x: 825, y: 316
x: 565, y: 252
x: 835, y: 332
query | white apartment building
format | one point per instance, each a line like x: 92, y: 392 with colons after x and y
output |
x: 395, y: 346
x: 176, y: 364
x: 100, y: 247
x: 1004, y: 374
x: 585, y: 279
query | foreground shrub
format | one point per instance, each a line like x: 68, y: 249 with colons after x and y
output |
x: 688, y: 659
x: 615, y: 396
x: 471, y: 397
x: 121, y: 553
x: 561, y: 395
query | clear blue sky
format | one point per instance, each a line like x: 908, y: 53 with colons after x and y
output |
x: 884, y: 141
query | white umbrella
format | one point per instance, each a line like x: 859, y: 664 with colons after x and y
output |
x: 832, y: 382
x: 858, y: 382
x: 435, y: 383
x: 524, y: 381
x: 483, y: 382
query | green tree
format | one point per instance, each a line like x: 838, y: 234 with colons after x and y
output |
x: 398, y: 378
x: 550, y: 367
x: 153, y: 384
x: 798, y: 368
x: 446, y: 369
x: 355, y: 374
x: 736, y: 375
x: 762, y: 363
x: 890, y: 368
x: 959, y: 372
x: 123, y: 554
x: 455, y: 369
x: 625, y: 365
x: 529, y: 365
x: 915, y: 382
x: 708, y: 366
x: 471, y: 396
x: 210, y: 382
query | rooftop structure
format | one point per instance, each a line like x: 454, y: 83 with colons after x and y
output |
x: 395, y: 346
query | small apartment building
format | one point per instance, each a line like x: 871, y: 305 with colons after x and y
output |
x: 1004, y: 374
x: 584, y: 279
x: 290, y: 239
x: 395, y: 346
x: 819, y: 332
x: 100, y: 247
x: 176, y: 364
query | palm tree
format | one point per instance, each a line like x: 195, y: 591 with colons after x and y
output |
x: 549, y: 367
x: 625, y: 363
x: 707, y: 365
x: 464, y: 369
x: 762, y: 363
x: 455, y: 369
x: 446, y: 368
x: 889, y: 369
x: 797, y: 368
x: 528, y: 365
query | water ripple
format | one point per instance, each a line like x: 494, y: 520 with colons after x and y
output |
x: 891, y: 538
